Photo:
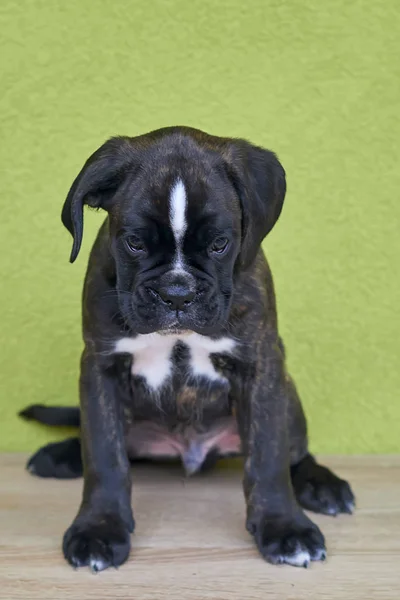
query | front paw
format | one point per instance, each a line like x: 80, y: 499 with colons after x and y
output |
x: 97, y: 543
x: 293, y: 542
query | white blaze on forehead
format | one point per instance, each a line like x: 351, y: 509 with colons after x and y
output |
x: 177, y: 215
x: 177, y: 210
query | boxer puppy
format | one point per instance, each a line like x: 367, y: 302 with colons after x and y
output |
x: 182, y: 353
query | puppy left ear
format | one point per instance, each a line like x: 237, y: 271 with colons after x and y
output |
x: 260, y: 182
x: 96, y: 185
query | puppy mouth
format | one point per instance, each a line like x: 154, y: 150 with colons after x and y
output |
x: 145, y: 319
x: 174, y: 331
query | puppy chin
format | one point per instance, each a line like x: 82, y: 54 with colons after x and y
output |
x: 209, y: 319
x: 175, y: 325
x: 202, y: 327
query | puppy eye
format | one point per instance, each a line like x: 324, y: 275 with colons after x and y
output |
x: 219, y: 245
x: 135, y: 245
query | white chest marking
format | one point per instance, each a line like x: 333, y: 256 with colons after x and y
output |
x: 152, y: 355
x: 177, y: 215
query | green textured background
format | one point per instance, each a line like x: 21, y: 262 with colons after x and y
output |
x: 318, y: 82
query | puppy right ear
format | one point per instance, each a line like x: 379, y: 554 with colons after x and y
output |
x: 96, y: 185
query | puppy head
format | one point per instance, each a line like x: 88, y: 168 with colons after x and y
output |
x: 186, y: 210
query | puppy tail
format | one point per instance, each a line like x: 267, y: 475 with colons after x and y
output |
x: 59, y: 416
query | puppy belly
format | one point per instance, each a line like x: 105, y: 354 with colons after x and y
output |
x: 150, y: 440
x: 147, y: 439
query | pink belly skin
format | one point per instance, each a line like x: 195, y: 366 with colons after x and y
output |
x: 150, y: 440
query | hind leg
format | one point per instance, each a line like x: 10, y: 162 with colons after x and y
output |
x: 61, y: 460
x: 316, y: 487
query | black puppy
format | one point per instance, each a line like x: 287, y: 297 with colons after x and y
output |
x: 182, y: 353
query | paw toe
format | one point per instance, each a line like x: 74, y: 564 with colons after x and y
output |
x: 347, y: 498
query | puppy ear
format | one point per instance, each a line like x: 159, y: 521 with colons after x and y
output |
x: 95, y: 185
x: 260, y: 182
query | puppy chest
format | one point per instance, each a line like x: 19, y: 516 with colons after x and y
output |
x: 159, y: 360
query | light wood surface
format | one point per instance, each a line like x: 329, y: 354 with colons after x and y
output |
x: 191, y: 544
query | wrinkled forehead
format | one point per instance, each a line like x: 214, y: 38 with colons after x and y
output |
x: 175, y: 191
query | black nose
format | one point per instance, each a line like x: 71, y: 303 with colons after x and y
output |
x: 176, y: 290
x: 177, y: 296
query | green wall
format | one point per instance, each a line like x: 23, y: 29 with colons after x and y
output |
x: 316, y: 81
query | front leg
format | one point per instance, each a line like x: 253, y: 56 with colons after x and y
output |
x: 282, y: 532
x: 99, y: 537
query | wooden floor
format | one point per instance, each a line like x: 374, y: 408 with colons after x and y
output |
x: 190, y: 542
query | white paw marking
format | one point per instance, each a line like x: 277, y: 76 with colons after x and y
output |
x: 177, y: 215
x: 97, y: 564
x: 298, y: 559
x: 333, y: 511
x: 152, y: 355
x: 302, y: 557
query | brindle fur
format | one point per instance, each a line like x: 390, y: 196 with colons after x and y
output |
x: 278, y: 470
